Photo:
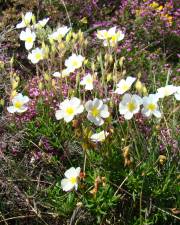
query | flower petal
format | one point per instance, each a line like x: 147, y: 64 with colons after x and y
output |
x: 59, y: 114
x: 66, y: 185
x: 128, y: 115
x: 11, y: 109
x: 104, y: 111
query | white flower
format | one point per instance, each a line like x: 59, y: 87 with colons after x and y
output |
x: 99, y: 137
x: 19, y: 104
x: 110, y: 37
x: 36, y: 55
x: 166, y: 91
x: 105, y: 100
x: 119, y: 36
x: 29, y: 38
x: 57, y: 74
x: 177, y: 93
x: 96, y: 111
x: 59, y: 34
x: 124, y: 85
x: 74, y: 62
x: 106, y: 34
x: 150, y: 106
x: 69, y: 108
x: 25, y: 20
x: 87, y: 81
x: 71, y: 180
x: 63, y: 74
x: 41, y: 23
x: 129, y: 105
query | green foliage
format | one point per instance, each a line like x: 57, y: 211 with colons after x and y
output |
x: 61, y: 203
x: 102, y: 203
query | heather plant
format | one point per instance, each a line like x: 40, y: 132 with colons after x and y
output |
x: 93, y: 132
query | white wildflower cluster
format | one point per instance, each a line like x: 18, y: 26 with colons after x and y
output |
x: 19, y: 104
x: 72, y: 63
x: 110, y: 37
x: 130, y: 104
x: 29, y: 35
x: 99, y: 137
x: 59, y: 33
x: 87, y: 82
x: 69, y: 109
x: 97, y: 111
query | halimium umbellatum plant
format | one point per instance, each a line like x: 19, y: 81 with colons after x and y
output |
x: 94, y: 121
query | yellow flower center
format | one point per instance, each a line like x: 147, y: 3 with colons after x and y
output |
x: 73, y: 180
x: 38, y: 56
x: 18, y: 104
x: 89, y: 81
x: 114, y: 38
x: 106, y: 35
x: 70, y: 111
x: 29, y: 39
x: 27, y: 20
x: 75, y: 63
x: 125, y: 87
x: 151, y: 107
x: 131, y: 106
x: 95, y: 112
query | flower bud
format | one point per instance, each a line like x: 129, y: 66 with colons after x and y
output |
x: 139, y: 86
x: 14, y: 84
x: 162, y: 159
x: 139, y: 75
x: 75, y: 123
x: 68, y: 37
x: 11, y: 61
x: 1, y: 65
x: 40, y: 85
x: 110, y: 59
x: 47, y: 77
x: 17, y: 79
x: 81, y: 37
x: 105, y: 64
x: 98, y: 58
x: 53, y: 47
x: 144, y: 90
x: 109, y: 77
x: 106, y: 57
x: 124, y: 73
x: 85, y: 62
x: 126, y: 151
x: 121, y: 61
x: 61, y: 46
x: 13, y: 94
x: 75, y: 36
x: 2, y: 102
x: 79, y: 204
x: 45, y: 50
x: 53, y: 83
x: 93, y: 66
x: 86, y: 42
x: 59, y: 39
x: 33, y: 19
